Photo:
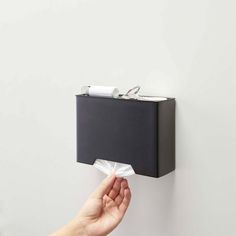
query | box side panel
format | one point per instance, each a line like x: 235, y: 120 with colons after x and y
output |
x: 166, y: 137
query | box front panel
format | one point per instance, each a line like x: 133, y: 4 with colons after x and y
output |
x: 117, y: 130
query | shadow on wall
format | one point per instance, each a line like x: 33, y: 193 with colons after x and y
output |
x: 152, y: 201
x: 1, y: 219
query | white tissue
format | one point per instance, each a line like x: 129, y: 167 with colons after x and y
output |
x: 108, y: 167
x: 151, y: 98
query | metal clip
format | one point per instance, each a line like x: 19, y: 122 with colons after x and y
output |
x: 132, y: 93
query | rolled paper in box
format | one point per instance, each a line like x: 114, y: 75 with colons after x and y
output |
x: 100, y: 91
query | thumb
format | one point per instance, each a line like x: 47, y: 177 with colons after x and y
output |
x: 104, y: 187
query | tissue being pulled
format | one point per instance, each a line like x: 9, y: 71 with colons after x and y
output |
x: 120, y: 169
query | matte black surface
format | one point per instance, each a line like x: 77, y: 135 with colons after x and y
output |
x: 140, y: 133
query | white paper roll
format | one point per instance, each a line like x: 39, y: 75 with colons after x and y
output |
x: 101, y: 91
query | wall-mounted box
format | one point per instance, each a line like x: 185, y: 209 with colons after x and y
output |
x: 140, y: 133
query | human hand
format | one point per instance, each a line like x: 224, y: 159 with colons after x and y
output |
x: 106, y: 207
x: 103, y: 210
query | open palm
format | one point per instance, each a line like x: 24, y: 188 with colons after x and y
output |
x: 105, y: 208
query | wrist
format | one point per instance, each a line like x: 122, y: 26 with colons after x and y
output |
x: 74, y: 228
x: 78, y: 227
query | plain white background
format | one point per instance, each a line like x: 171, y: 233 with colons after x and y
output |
x: 49, y: 49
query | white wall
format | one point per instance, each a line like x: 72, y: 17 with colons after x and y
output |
x: 49, y: 49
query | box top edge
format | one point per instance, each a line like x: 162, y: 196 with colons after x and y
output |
x: 128, y: 100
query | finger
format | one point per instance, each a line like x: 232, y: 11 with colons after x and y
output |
x: 119, y: 198
x: 126, y: 200
x: 124, y: 183
x: 106, y: 200
x: 115, y: 188
x: 104, y: 187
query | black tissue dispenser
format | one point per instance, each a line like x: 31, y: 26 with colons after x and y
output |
x: 136, y: 132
